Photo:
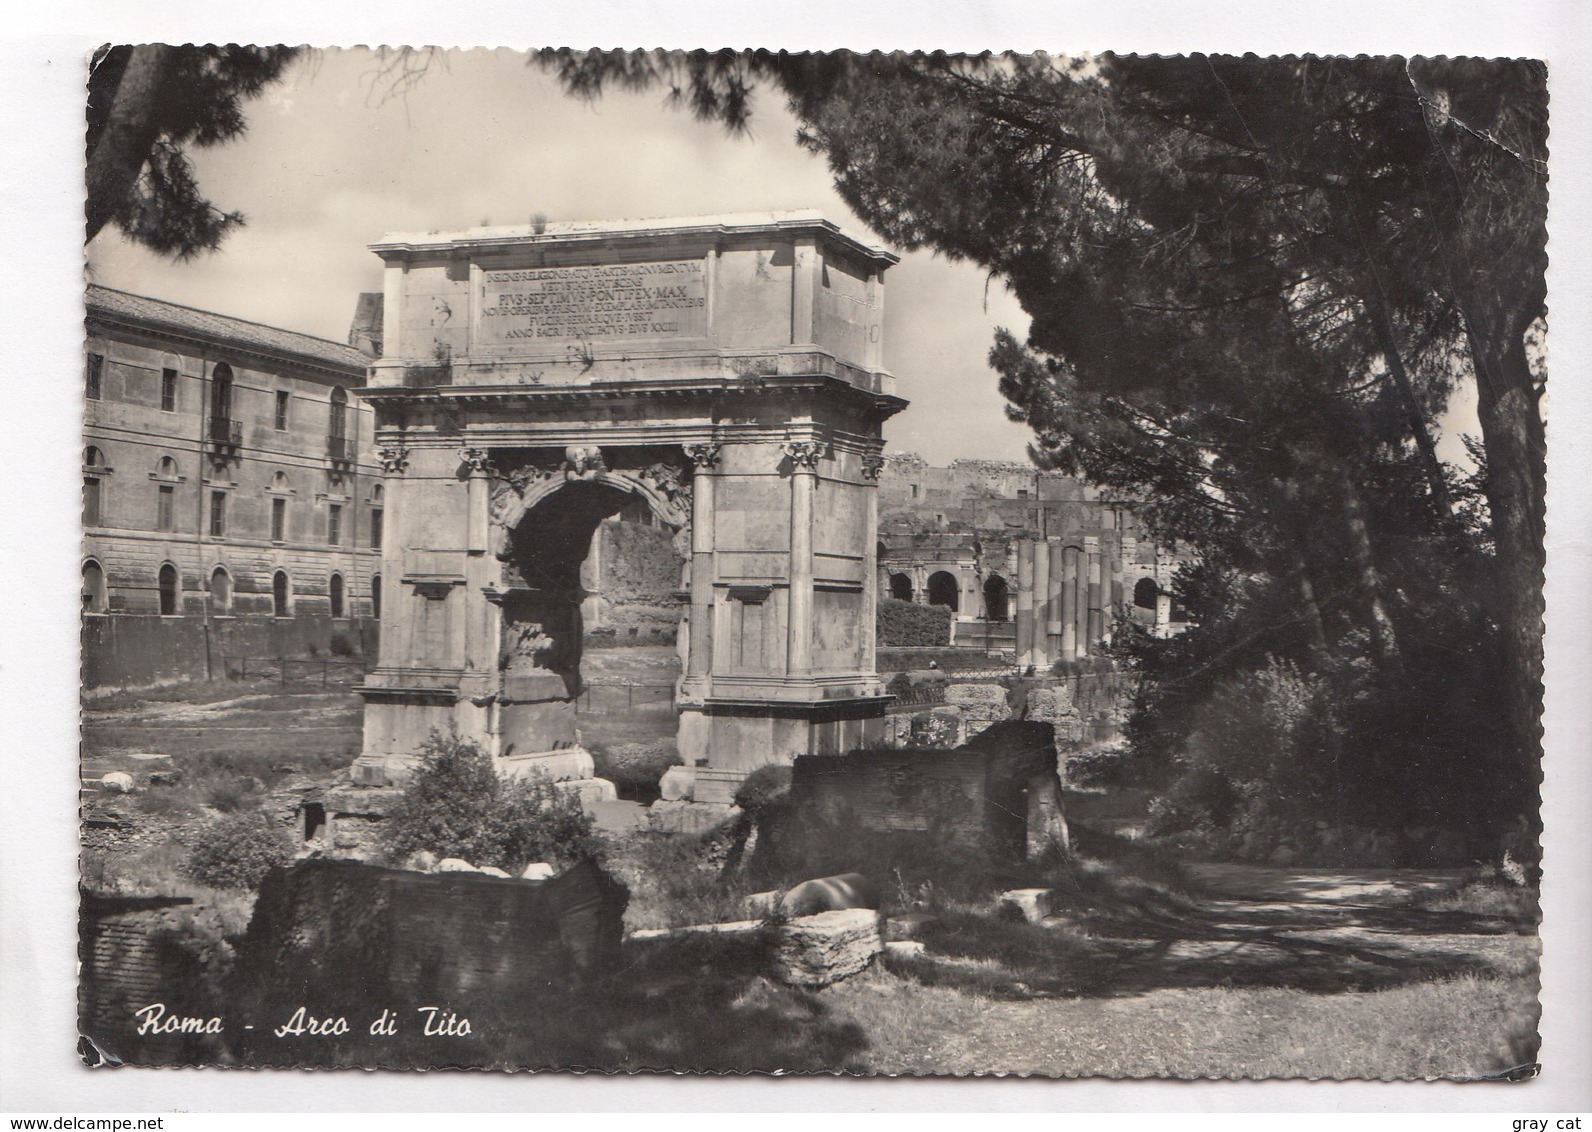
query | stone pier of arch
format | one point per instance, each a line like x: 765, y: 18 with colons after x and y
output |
x: 725, y: 371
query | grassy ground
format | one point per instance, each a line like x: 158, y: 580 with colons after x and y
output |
x: 1152, y: 970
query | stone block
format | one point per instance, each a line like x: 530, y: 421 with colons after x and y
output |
x: 829, y: 894
x: 907, y: 925
x: 986, y: 696
x: 538, y: 870
x: 570, y: 763
x: 1049, y: 705
x: 716, y: 785
x: 454, y: 865
x: 689, y: 817
x: 492, y: 871
x: 589, y: 790
x: 903, y: 948
x: 729, y: 928
x: 117, y: 782
x: 678, y: 783
x: 1030, y: 904
x: 815, y: 951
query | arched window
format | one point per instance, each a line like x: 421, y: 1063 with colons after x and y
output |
x: 943, y: 590
x: 221, y: 392
x: 279, y: 594
x: 995, y: 598
x: 337, y: 445
x: 167, y: 468
x: 220, y: 591
x: 93, y: 489
x: 337, y: 419
x: 1145, y: 591
x: 900, y: 587
x: 334, y: 591
x: 93, y: 457
x: 375, y: 596
x: 168, y: 590
x: 93, y: 587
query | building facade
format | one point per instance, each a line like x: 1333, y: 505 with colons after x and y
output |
x: 1009, y: 547
x: 227, y: 475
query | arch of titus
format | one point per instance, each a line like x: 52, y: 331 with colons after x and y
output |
x: 727, y: 371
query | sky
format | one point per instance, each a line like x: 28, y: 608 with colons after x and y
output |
x: 333, y: 159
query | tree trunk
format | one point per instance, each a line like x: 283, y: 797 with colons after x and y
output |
x: 1515, y: 440
x: 130, y: 132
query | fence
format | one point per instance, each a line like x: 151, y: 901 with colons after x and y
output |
x: 326, y: 671
x: 137, y: 650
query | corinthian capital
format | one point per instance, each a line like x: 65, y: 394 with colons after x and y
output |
x: 394, y: 459
x: 804, y: 454
x: 703, y: 456
x: 872, y: 465
x: 478, y: 460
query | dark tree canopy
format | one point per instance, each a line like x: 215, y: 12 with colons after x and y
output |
x: 1254, y: 284
x: 146, y: 106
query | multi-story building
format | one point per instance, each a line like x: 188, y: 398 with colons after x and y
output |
x: 1033, y: 563
x: 227, y: 482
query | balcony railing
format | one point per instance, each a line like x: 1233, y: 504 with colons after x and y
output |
x: 225, y: 433
x: 340, y: 449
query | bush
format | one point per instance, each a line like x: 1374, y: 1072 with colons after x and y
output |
x: 237, y: 852
x: 456, y: 805
x: 341, y: 645
x: 905, y: 624
x: 229, y: 797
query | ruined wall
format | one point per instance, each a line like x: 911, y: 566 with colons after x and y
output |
x: 136, y: 651
x: 636, y: 574
x: 346, y: 933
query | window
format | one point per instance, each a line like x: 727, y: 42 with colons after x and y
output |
x: 168, y: 590
x: 93, y: 377
x: 281, y: 410
x: 337, y: 420
x: 943, y: 590
x: 335, y: 592
x: 221, y: 392
x: 279, y: 594
x: 334, y: 524
x: 168, y: 390
x: 220, y: 591
x: 218, y: 514
x: 900, y: 587
x: 1145, y: 591
x: 93, y: 587
x: 165, y: 507
x: 93, y: 457
x: 375, y: 596
x: 91, y: 501
x: 167, y: 468
x: 375, y: 528
x: 278, y: 520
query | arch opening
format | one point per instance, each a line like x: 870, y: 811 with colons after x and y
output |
x: 168, y: 590
x: 900, y: 587
x: 1145, y: 592
x: 996, y: 598
x: 220, y: 590
x: 280, y: 594
x: 93, y: 587
x: 943, y: 590
x: 334, y: 594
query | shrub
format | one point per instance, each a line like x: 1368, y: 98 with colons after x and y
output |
x: 237, y: 852
x: 229, y: 797
x: 905, y: 624
x: 764, y: 787
x: 341, y: 645
x: 456, y: 805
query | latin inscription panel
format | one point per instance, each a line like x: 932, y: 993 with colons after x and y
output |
x: 549, y: 306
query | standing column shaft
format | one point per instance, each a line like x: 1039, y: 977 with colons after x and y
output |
x: 872, y: 465
x: 393, y: 461
x: 1025, y: 603
x: 699, y: 659
x: 1042, y: 603
x: 1054, y: 622
x: 1067, y: 586
x: 803, y: 486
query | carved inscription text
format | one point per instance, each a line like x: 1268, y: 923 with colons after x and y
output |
x: 617, y: 300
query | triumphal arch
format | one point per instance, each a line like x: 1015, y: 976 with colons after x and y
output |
x: 725, y: 371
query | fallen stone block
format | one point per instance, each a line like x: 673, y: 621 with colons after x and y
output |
x: 423, y: 861
x: 829, y: 894
x: 985, y: 696
x: 906, y: 925
x: 678, y: 784
x: 904, y: 948
x: 165, y: 778
x: 492, y: 871
x: 689, y: 817
x: 1030, y: 904
x: 152, y: 758
x: 453, y: 865
x: 538, y: 870
x: 117, y: 782
x: 729, y: 927
x: 815, y: 951
x: 716, y: 786
x: 568, y: 764
x: 589, y: 790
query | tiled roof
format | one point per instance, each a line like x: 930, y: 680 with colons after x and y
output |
x: 110, y: 303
